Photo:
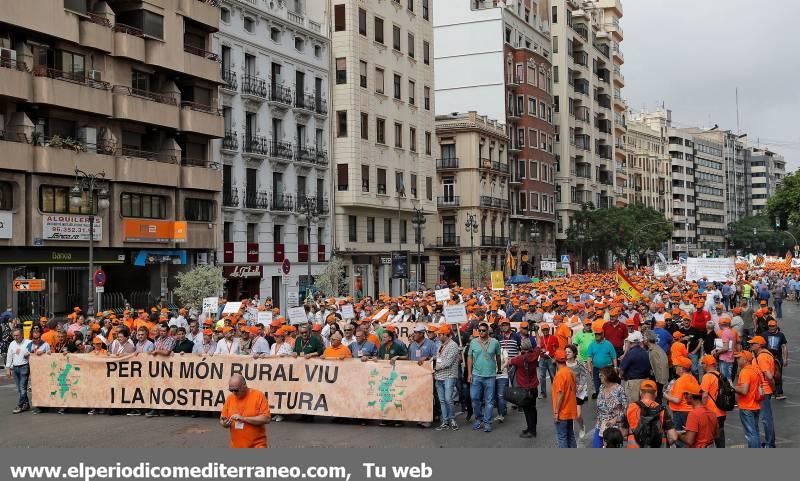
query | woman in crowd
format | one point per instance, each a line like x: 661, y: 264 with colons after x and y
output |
x: 526, y: 364
x: 612, y: 403
x: 581, y: 372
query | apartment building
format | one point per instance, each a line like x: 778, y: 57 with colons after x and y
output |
x: 494, y: 58
x: 590, y: 110
x: 382, y: 111
x: 127, y: 90
x: 275, y: 59
x: 735, y: 159
x: 766, y: 170
x: 649, y: 167
x: 472, y: 197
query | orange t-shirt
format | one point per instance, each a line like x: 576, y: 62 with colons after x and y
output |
x: 563, y: 333
x: 765, y: 363
x: 678, y: 349
x: 244, y: 435
x: 678, y: 388
x: 564, y: 383
x: 710, y: 385
x: 634, y: 414
x: 749, y: 375
x: 336, y: 352
x: 51, y: 338
x: 702, y: 421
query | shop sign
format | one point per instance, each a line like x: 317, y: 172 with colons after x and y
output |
x: 242, y: 272
x: 68, y: 227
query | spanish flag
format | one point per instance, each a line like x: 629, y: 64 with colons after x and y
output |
x: 627, y: 286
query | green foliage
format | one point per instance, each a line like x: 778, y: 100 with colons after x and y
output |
x: 331, y: 281
x: 200, y: 282
x: 757, y: 234
x: 782, y: 206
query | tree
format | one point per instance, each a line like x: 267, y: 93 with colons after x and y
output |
x: 482, y: 272
x: 757, y: 234
x: 782, y: 206
x: 200, y: 282
x: 331, y: 281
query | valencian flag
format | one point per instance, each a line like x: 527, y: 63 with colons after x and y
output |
x: 627, y: 286
x: 511, y: 262
x: 788, y: 258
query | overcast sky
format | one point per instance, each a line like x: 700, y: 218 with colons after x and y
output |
x: 693, y: 54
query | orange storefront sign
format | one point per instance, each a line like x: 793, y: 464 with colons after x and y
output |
x: 138, y: 230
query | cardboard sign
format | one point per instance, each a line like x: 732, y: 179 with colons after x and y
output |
x: 548, y: 266
x: 498, y: 284
x: 264, y: 318
x: 443, y: 294
x: 455, y: 314
x: 297, y: 315
x: 231, y: 307
x: 347, y: 312
x: 211, y: 304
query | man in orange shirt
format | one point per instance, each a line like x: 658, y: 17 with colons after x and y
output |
x: 701, y: 423
x: 748, y: 397
x: 647, y: 401
x: 337, y: 350
x: 764, y: 361
x: 710, y: 386
x: 565, y: 402
x: 678, y: 348
x: 674, y: 394
x: 245, y: 414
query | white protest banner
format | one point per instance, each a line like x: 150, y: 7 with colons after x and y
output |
x: 232, y: 307
x: 211, y: 304
x: 714, y: 269
x: 264, y: 317
x: 347, y: 312
x: 548, y: 266
x: 455, y: 314
x: 662, y: 269
x: 443, y: 294
x: 297, y: 315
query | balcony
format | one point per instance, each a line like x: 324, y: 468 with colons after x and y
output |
x: 512, y: 81
x: 303, y: 103
x: 254, y: 88
x: 200, y: 174
x: 446, y: 164
x: 205, y: 12
x: 280, y: 150
x: 320, y: 107
x: 514, y: 147
x: 305, y: 154
x: 44, y: 17
x: 280, y: 97
x: 15, y: 81
x: 614, y: 26
x: 282, y: 204
x: 230, y: 141
x: 129, y: 42
x: 604, y: 100
x: 18, y: 153
x: 488, y: 202
x: 321, y: 205
x: 72, y: 91
x: 229, y: 81
x: 448, y: 202
x: 321, y: 157
x: 95, y: 32
x: 146, y: 107
x: 230, y: 198
x: 618, y: 77
x: 141, y: 166
x: 581, y: 30
x: 201, y: 119
x: 493, y: 241
x: 255, y: 147
x: 201, y: 63
x: 61, y: 156
x: 256, y: 200
x: 581, y: 58
x: 513, y: 114
x: 453, y: 241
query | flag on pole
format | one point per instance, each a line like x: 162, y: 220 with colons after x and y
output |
x: 511, y: 262
x: 627, y: 286
x: 789, y: 258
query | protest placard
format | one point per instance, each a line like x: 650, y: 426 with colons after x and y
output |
x: 714, y: 269
x: 297, y: 315
x: 455, y: 314
x: 210, y: 304
x: 264, y: 317
x: 443, y: 294
x: 231, y: 307
x: 347, y: 312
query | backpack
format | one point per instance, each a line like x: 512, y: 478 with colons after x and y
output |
x: 726, y: 396
x: 649, y: 432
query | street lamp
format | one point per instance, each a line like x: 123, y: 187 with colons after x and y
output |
x: 95, y: 186
x: 472, y: 227
x: 418, y: 220
x: 311, y: 212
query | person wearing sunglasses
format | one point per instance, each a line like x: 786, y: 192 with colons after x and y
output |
x: 245, y: 414
x: 483, y: 365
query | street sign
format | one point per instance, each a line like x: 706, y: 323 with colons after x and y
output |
x: 29, y: 285
x: 286, y: 267
x: 565, y: 258
x: 100, y: 278
x: 548, y: 266
x: 285, y: 279
x: 99, y: 289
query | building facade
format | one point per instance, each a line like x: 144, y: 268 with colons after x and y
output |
x: 766, y: 170
x: 276, y: 183
x: 590, y: 118
x: 383, y: 129
x: 126, y: 89
x: 649, y: 167
x: 495, y: 58
x: 472, y: 231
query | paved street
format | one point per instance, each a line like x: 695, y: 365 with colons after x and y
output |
x: 81, y: 430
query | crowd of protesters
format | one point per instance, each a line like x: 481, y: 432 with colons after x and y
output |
x: 662, y: 370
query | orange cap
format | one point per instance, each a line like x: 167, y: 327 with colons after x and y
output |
x: 316, y: 328
x: 523, y: 324
x: 746, y: 355
x: 207, y: 332
x: 737, y: 310
x: 648, y: 385
x: 254, y: 330
x: 444, y: 329
x: 757, y: 340
x: 724, y: 321
x: 683, y: 362
x: 708, y: 360
x: 561, y: 356
x: 677, y: 335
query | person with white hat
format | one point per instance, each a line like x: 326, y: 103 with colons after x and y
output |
x: 635, y: 365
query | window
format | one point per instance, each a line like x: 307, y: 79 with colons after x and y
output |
x: 542, y: 141
x: 364, y: 126
x: 399, y: 184
x: 523, y: 201
x: 387, y: 231
x: 379, y: 80
x: 252, y: 233
x: 143, y: 205
x: 410, y: 5
x: 425, y: 7
x: 370, y: 229
x: 554, y: 17
x: 412, y: 139
x: 397, y: 90
x: 535, y: 201
x: 398, y: 135
x: 249, y: 24
x: 6, y: 196
x: 299, y: 44
x: 414, y: 185
x: 362, y: 73
x: 318, y: 51
x: 342, y: 177
x: 352, y: 228
x: 341, y: 123
x: 411, y: 45
x: 426, y: 97
x: 379, y: 30
x: 543, y: 175
x: 275, y: 34
x: 362, y: 22
x: 382, y: 181
x: 55, y: 199
x: 426, y: 52
x: 521, y: 137
x: 428, y: 142
x: 534, y: 171
x: 364, y: 178
x: 429, y: 188
x: 341, y: 71
x: 396, y: 38
x: 412, y: 87
x: 544, y: 205
x: 542, y: 111
x: 225, y: 15
x: 198, y: 210
x: 338, y: 18
x: 532, y: 106
x: 403, y: 231
x: 380, y: 131
x: 521, y: 168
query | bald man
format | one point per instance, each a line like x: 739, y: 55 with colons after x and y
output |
x: 245, y: 414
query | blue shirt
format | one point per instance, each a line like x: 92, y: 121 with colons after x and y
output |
x: 602, y: 354
x: 665, y: 339
x: 635, y: 364
x: 426, y: 348
x: 367, y: 349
